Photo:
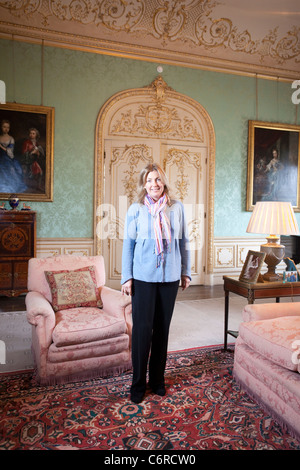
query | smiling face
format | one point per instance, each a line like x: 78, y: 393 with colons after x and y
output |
x: 154, y: 185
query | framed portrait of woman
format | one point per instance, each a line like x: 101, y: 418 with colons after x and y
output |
x: 252, y: 266
x: 26, y: 152
x: 273, y: 163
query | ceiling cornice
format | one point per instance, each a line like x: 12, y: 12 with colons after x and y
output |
x: 183, y: 32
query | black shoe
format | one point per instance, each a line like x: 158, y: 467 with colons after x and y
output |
x: 161, y: 391
x: 136, y: 397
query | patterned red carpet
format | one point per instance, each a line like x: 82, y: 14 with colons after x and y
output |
x: 203, y: 409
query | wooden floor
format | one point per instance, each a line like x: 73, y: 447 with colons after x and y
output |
x: 16, y: 304
x: 201, y: 292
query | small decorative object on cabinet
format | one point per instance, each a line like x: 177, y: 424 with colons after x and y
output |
x: 17, y: 246
x: 14, y: 201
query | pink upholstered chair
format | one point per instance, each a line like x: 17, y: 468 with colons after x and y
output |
x: 267, y: 359
x: 72, y: 338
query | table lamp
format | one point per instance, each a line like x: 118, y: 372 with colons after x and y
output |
x: 276, y: 218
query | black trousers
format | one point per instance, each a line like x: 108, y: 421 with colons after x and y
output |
x: 152, y: 310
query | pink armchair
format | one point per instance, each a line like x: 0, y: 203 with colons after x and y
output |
x: 72, y: 338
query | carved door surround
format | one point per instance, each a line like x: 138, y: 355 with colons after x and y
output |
x: 153, y: 123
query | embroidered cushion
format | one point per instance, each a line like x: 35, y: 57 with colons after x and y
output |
x: 72, y: 289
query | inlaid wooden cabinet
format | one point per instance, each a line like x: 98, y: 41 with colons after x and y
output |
x: 17, y: 246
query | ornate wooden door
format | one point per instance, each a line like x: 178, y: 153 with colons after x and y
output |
x: 152, y: 124
x: 186, y: 167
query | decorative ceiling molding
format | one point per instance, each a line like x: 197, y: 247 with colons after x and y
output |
x: 232, y: 35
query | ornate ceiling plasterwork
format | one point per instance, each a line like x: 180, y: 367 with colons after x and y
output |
x: 237, y: 35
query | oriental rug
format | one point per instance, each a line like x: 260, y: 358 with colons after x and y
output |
x: 204, y: 408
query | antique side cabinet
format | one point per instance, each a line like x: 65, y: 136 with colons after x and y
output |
x: 17, y: 246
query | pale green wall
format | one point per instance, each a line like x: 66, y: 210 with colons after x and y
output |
x: 77, y: 84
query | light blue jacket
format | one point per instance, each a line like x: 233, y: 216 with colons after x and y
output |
x: 139, y: 260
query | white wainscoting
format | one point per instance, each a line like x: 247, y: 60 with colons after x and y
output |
x: 229, y: 254
x: 64, y: 246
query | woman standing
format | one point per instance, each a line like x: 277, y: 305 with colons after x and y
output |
x: 155, y: 258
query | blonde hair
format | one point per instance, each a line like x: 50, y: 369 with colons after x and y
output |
x: 141, y: 193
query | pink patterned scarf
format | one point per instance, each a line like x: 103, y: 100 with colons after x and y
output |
x: 161, y: 224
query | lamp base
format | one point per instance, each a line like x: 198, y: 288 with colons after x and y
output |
x: 274, y: 254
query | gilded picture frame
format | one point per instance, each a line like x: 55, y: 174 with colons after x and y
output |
x: 252, y: 266
x: 26, y: 152
x: 273, y: 163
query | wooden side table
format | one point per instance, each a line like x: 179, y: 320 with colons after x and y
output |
x: 17, y: 246
x: 252, y: 292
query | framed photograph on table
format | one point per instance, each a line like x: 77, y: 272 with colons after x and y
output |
x: 273, y: 163
x: 252, y: 266
x: 26, y: 152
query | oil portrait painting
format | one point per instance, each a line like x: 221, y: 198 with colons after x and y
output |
x: 273, y: 163
x: 26, y: 152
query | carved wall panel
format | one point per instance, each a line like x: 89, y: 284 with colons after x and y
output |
x: 185, y: 166
x: 229, y: 253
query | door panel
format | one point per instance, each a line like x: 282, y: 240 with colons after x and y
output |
x: 185, y: 166
x: 124, y: 159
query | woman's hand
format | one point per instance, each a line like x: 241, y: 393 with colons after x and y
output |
x: 185, y: 282
x: 127, y: 287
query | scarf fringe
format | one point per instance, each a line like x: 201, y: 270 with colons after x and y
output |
x: 161, y: 225
x: 160, y: 256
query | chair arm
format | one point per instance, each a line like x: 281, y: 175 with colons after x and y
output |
x: 41, y: 315
x: 266, y: 311
x: 114, y: 302
x: 117, y: 304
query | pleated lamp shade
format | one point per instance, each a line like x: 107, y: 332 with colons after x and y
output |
x: 276, y: 218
